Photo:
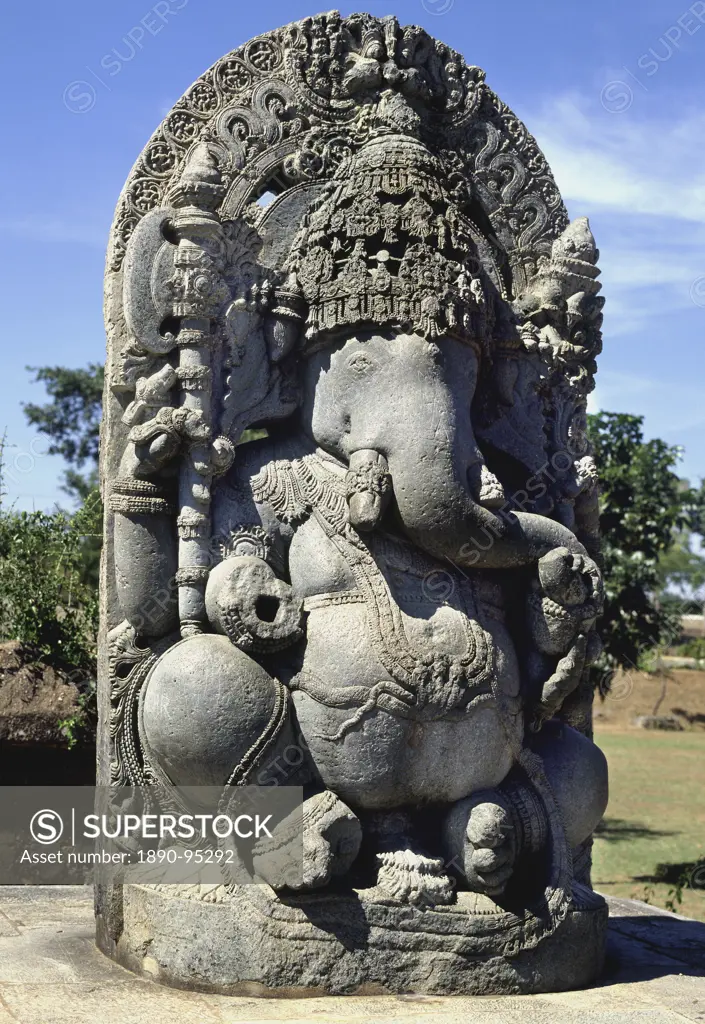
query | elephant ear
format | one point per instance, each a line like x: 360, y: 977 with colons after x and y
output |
x: 532, y: 403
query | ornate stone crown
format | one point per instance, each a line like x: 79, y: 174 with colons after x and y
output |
x: 388, y: 247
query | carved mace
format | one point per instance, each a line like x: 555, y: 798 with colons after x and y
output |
x: 198, y: 293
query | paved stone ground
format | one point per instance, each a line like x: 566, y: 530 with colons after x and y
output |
x: 52, y: 973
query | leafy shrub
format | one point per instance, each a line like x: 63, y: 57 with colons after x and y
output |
x: 46, y: 600
x: 694, y: 648
x: 82, y: 725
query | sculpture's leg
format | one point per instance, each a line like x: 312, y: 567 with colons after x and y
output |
x: 577, y: 771
x: 331, y: 835
x: 486, y: 833
x: 212, y: 716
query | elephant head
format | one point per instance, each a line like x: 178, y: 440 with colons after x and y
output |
x: 407, y: 400
x: 396, y: 408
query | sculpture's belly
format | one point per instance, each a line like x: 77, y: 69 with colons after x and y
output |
x: 384, y: 760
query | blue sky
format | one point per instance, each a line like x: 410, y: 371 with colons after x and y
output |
x: 612, y: 90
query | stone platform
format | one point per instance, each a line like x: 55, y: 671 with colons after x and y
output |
x: 52, y: 973
x: 323, y: 944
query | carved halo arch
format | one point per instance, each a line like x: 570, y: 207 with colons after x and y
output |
x: 279, y: 114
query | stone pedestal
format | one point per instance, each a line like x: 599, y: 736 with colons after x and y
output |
x: 252, y: 943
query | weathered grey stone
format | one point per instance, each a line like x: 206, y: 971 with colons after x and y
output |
x: 50, y: 971
x: 398, y: 582
x: 195, y: 728
x: 330, y: 944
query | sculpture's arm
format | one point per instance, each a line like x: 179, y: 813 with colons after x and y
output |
x: 564, y: 603
x: 146, y: 536
x: 145, y: 545
x: 144, y: 500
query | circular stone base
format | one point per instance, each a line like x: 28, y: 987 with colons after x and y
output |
x: 251, y: 943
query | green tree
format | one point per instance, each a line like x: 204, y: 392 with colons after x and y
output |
x: 71, y: 421
x: 642, y: 507
x: 49, y: 602
x: 681, y: 572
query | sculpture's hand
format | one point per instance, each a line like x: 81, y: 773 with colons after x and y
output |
x: 157, y: 442
x: 565, y: 600
x: 570, y: 578
x: 563, y: 606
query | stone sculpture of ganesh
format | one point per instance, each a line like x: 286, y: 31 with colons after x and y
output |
x: 362, y: 606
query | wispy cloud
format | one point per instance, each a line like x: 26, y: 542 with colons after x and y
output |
x: 649, y: 167
x: 679, y: 404
x: 644, y: 180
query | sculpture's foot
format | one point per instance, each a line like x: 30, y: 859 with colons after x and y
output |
x: 481, y: 839
x: 317, y: 843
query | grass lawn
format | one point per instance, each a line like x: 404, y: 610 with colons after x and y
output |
x: 654, y: 828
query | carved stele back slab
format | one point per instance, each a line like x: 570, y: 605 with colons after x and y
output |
x: 338, y: 192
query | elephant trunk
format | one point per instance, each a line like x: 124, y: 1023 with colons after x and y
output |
x: 440, y: 515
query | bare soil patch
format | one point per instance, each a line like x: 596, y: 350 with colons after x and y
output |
x: 679, y: 693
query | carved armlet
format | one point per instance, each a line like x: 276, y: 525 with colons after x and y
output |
x: 131, y: 496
